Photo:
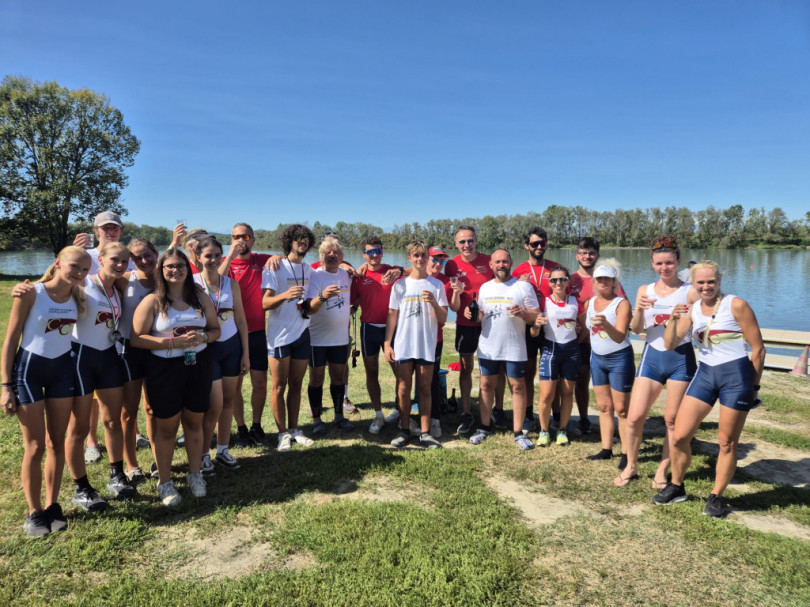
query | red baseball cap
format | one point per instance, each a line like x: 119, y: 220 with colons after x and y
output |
x: 437, y: 251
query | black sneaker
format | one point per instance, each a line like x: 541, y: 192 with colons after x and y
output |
x: 56, y: 519
x: 584, y: 425
x: 242, y: 438
x: 428, y: 442
x: 36, y: 524
x: 671, y: 494
x: 499, y: 419
x: 153, y: 472
x: 257, y: 436
x: 119, y: 486
x: 89, y: 500
x: 466, y: 423
x: 715, y: 506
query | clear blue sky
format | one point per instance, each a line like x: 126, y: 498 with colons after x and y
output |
x: 391, y: 112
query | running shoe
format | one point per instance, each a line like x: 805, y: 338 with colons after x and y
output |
x: 56, y: 518
x: 284, y: 442
x: 562, y: 438
x: 319, y: 428
x: 207, y: 466
x: 136, y: 477
x: 499, y: 419
x: 141, y: 442
x: 299, y: 437
x: 242, y: 439
x: 377, y: 424
x: 671, y: 494
x: 392, y: 417
x: 196, y: 483
x: 92, y: 454
x: 466, y: 424
x: 36, y: 524
x: 343, y: 424
x: 584, y: 425
x: 428, y: 442
x: 544, y: 438
x: 715, y: 506
x: 89, y: 499
x: 181, y: 440
x: 119, y: 486
x: 480, y: 436
x: 435, y: 428
x: 257, y: 435
x: 415, y: 428
x: 401, y: 439
x: 348, y: 407
x: 523, y: 443
x: 169, y: 495
x: 226, y: 460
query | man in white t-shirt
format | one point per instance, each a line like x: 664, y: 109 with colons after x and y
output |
x: 417, y: 307
x: 506, y: 306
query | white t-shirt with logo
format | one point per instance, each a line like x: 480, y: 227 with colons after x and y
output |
x: 285, y: 324
x: 503, y: 337
x: 417, y: 326
x: 330, y: 324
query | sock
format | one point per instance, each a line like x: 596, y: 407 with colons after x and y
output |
x: 221, y: 448
x: 242, y: 428
x: 116, y: 468
x: 256, y: 425
x: 315, y: 395
x: 82, y: 483
x: 518, y: 434
x: 379, y: 414
x: 487, y: 428
x: 336, y: 392
x: 346, y: 391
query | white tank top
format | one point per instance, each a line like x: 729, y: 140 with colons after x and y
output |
x: 655, y: 318
x: 175, y: 324
x: 95, y: 327
x: 726, y: 341
x: 133, y: 295
x: 601, y: 343
x: 49, y: 325
x: 562, y: 320
x: 223, y: 303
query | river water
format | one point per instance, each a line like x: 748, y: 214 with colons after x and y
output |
x: 754, y: 275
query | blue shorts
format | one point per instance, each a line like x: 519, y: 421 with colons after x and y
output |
x: 226, y: 356
x: 97, y: 369
x: 559, y: 361
x: 298, y: 350
x: 416, y: 361
x: 134, y: 360
x: 678, y: 364
x: 533, y: 344
x: 616, y: 369
x: 37, y: 378
x: 257, y: 348
x: 731, y: 382
x: 336, y: 355
x: 371, y: 339
x: 514, y: 369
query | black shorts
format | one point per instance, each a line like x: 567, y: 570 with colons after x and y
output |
x: 257, y: 347
x: 467, y: 339
x: 336, y: 355
x: 97, y: 369
x: 226, y: 356
x: 585, y: 355
x: 37, y: 378
x: 134, y: 360
x: 297, y: 350
x: 172, y: 386
x: 371, y: 339
x: 533, y: 344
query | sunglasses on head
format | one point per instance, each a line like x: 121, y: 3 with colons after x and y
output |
x: 468, y: 241
x: 562, y: 279
x: 669, y: 243
x: 240, y: 236
x: 537, y: 243
x: 372, y: 252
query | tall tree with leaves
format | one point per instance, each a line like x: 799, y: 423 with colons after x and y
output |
x: 63, y: 154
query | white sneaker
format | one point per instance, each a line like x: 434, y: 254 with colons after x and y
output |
x: 168, y: 494
x: 141, y: 442
x: 299, y: 438
x: 392, y: 417
x: 196, y: 483
x: 377, y: 424
x: 92, y: 454
x: 416, y: 429
x: 435, y: 428
x: 284, y: 442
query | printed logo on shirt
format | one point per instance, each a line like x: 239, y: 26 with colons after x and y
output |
x: 660, y: 319
x: 568, y: 323
x: 225, y: 314
x: 105, y: 318
x: 63, y: 325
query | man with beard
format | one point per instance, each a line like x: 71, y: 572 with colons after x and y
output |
x: 508, y: 306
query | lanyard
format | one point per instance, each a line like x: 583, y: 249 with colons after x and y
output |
x: 542, y: 270
x: 218, y: 297
x: 116, y: 316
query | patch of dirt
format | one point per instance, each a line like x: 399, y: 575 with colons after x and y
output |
x: 537, y: 508
x: 768, y: 463
x: 770, y: 524
x: 378, y: 489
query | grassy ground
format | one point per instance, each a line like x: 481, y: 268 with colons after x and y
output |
x: 350, y: 521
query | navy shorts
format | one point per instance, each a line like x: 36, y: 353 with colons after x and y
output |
x: 514, y: 369
x: 467, y: 339
x: 416, y: 361
x: 731, y: 382
x: 172, y: 386
x: 533, y: 344
x: 371, y: 339
x: 97, y: 369
x: 616, y: 369
x: 298, y: 350
x: 559, y: 361
x: 257, y: 348
x: 37, y: 378
x: 678, y: 364
x: 336, y: 355
x: 225, y: 357
x: 134, y: 360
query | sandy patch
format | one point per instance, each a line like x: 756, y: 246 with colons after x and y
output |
x: 379, y: 489
x: 769, y: 524
x: 537, y: 508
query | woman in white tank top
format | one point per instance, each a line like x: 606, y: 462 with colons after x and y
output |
x: 59, y: 301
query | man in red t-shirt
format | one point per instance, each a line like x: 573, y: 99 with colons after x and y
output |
x: 372, y: 293
x: 581, y: 286
x: 472, y: 270
x: 245, y: 268
x: 537, y: 270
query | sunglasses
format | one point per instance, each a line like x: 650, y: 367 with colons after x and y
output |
x: 373, y: 252
x: 562, y: 279
x: 438, y: 260
x: 175, y: 267
x: 537, y: 243
x: 240, y: 236
x: 468, y: 241
x: 668, y: 243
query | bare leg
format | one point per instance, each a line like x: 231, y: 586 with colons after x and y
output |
x: 77, y: 431
x: 731, y: 425
x: 163, y: 438
x: 465, y: 380
x: 372, y: 364
x: 129, y: 421
x: 645, y: 391
x: 211, y: 417
x: 258, y: 395
x: 548, y: 390
x: 488, y: 384
x: 424, y: 377
x: 229, y: 387
x: 92, y: 432
x: 193, y: 428
x: 675, y: 392
x: 518, y: 387
x: 404, y: 373
x: 295, y: 379
x: 279, y: 370
x: 111, y: 401
x: 604, y: 402
x: 566, y: 401
x: 691, y: 413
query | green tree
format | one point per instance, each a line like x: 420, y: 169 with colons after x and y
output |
x: 62, y: 157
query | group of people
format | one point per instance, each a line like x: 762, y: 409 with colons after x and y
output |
x: 111, y: 326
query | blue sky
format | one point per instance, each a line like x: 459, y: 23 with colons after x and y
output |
x: 393, y: 112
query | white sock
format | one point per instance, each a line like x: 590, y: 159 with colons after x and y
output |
x: 379, y: 414
x: 221, y: 448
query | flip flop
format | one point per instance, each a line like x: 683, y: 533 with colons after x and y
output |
x: 620, y: 481
x: 659, y: 485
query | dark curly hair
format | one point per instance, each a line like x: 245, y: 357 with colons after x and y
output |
x: 539, y: 232
x: 294, y: 232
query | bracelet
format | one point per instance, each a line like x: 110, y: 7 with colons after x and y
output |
x: 7, y: 384
x: 321, y: 297
x: 205, y: 336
